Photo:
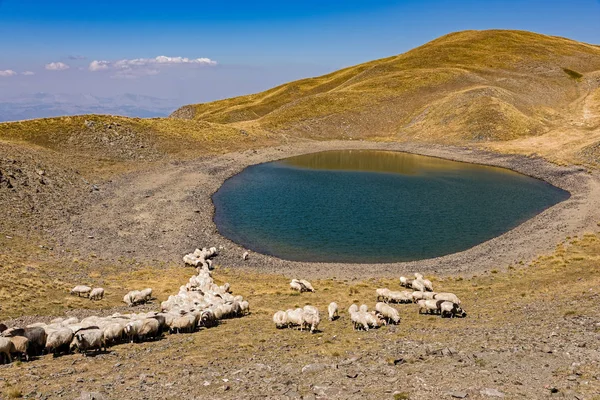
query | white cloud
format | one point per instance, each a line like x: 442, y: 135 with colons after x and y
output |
x: 99, y: 65
x: 133, y: 68
x: 28, y: 73
x: 7, y: 72
x: 57, y: 66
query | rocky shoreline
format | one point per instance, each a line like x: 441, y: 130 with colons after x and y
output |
x: 168, y: 210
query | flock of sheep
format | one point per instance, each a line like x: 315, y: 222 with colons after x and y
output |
x: 199, y: 304
x: 443, y: 304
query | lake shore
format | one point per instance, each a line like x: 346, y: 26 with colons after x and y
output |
x: 167, y: 211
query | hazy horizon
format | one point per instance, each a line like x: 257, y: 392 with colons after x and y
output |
x: 185, y: 52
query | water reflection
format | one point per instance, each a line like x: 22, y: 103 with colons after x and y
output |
x: 377, y: 161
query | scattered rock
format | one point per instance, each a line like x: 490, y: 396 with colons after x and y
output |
x: 352, y: 374
x: 311, y: 368
x: 458, y: 395
x: 91, y: 396
x: 491, y: 393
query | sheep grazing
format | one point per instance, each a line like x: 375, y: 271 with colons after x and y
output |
x: 97, y: 294
x: 183, y: 324
x: 418, y: 285
x: 447, y: 297
x: 406, y: 282
x: 363, y: 308
x: 245, y: 256
x: 59, y: 341
x: 87, y: 340
x: 307, y: 285
x: 296, y: 285
x: 382, y: 294
x: 6, y: 349
x: 359, y: 320
x: 131, y: 297
x: 81, y: 290
x: 150, y: 329
x: 389, y: 313
x: 113, y: 333
x: 21, y: 345
x: 352, y: 308
x: 146, y: 294
x: 200, y: 258
x: 429, y: 306
x: 427, y: 283
x: 295, y: 317
x: 136, y: 297
x: 400, y: 297
x: 310, y: 318
x: 280, y: 319
x: 418, y: 295
x: 450, y: 309
x: 36, y: 337
x: 333, y: 311
x: 245, y: 306
x: 301, y: 285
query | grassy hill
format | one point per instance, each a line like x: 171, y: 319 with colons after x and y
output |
x: 469, y: 86
x: 508, y: 90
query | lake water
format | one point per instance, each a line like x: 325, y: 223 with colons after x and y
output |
x: 374, y: 206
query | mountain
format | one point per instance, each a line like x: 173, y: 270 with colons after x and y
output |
x: 473, y: 86
x: 43, y: 105
x: 507, y: 91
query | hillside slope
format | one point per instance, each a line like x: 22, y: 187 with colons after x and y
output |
x: 466, y: 86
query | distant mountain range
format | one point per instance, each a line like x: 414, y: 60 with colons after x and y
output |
x: 42, y: 105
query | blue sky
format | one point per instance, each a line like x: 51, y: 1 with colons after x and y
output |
x: 254, y: 44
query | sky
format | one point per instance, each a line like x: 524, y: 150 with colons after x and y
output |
x: 202, y: 50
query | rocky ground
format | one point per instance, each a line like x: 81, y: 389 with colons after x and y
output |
x: 161, y: 213
x: 531, y: 332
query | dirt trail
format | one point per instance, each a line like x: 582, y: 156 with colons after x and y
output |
x: 159, y: 215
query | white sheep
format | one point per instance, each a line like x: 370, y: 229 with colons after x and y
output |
x: 389, y: 313
x: 149, y: 329
x: 280, y: 319
x: 450, y: 309
x: 6, y: 348
x: 363, y: 308
x: 359, y: 320
x: 245, y: 256
x: 89, y: 339
x: 130, y: 297
x: 296, y: 285
x: 113, y: 333
x: 295, y: 317
x: 447, y: 297
x: 97, y: 294
x: 81, y: 290
x: 333, y: 311
x: 429, y: 306
x: 352, y: 308
x: 307, y: 285
x: 59, y: 340
x: 406, y: 282
x: 382, y: 294
x: 418, y: 285
x: 146, y: 294
x: 310, y: 318
x: 427, y: 283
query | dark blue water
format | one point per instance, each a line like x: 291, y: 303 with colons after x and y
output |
x: 374, y: 206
